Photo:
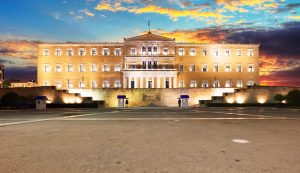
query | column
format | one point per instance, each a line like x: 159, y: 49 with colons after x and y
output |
x: 129, y: 82
x: 153, y: 86
x: 175, y: 82
x: 158, y: 81
x: 135, y: 82
x: 141, y: 82
x: 164, y: 85
x: 124, y: 82
x: 170, y: 82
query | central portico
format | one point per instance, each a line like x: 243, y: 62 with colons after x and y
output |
x: 149, y: 62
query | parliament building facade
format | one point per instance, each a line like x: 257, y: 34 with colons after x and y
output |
x: 147, y: 61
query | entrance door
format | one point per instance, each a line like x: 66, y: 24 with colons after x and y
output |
x: 132, y: 84
x: 149, y: 84
x: 167, y: 84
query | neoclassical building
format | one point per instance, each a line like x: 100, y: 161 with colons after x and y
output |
x: 147, y: 61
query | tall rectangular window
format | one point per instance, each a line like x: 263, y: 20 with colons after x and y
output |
x: 193, y: 52
x: 181, y: 67
x: 94, y: 68
x: 193, y: 84
x: 144, y: 65
x: 46, y: 68
x: 58, y: 52
x: 70, y: 84
x: 216, y: 84
x: 58, y: 84
x: 46, y: 52
x: 250, y: 68
x: 250, y: 52
x: 204, y: 68
x: 81, y: 67
x: 166, y: 51
x: 227, y: 68
x: 105, y: 84
x: 205, y: 84
x: 117, y: 67
x: 181, y: 52
x: 155, y: 50
x: 81, y: 52
x: 58, y: 68
x: 192, y: 67
x: 239, y: 83
x: 94, y: 84
x: 239, y: 52
x: 117, y: 84
x: 239, y: 68
x: 144, y: 50
x: 149, y: 50
x: 181, y: 84
x: 216, y: 67
x: 227, y: 52
x: 105, y: 51
x: 133, y: 51
x: 94, y: 51
x: 250, y: 83
x: 117, y: 51
x: 105, y: 67
x: 81, y: 84
x: 204, y: 52
x: 228, y: 83
x: 216, y: 52
x: 70, y: 52
x: 70, y: 67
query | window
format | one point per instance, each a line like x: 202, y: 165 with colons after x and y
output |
x: 181, y: 52
x: 46, y: 68
x: 155, y: 51
x: 58, y: 68
x: 204, y: 68
x: 81, y: 52
x: 216, y: 84
x: 149, y: 64
x: 133, y: 51
x: 94, y: 68
x: 144, y: 65
x: 149, y: 50
x: 117, y: 84
x: 144, y: 50
x: 216, y: 67
x: 93, y: 51
x: 228, y: 83
x: 239, y: 83
x: 204, y: 52
x: 250, y: 83
x: 117, y: 51
x: 58, y: 52
x: 70, y: 52
x: 46, y: 52
x: 216, y: 52
x: 117, y: 67
x: 105, y: 84
x: 250, y: 68
x: 239, y: 52
x: 46, y: 83
x: 132, y: 66
x: 105, y: 51
x: 239, y: 68
x: 105, y: 67
x: 193, y: 83
x: 180, y: 67
x: 70, y: 84
x: 250, y: 52
x: 81, y: 67
x: 70, y: 67
x: 166, y: 51
x: 227, y: 68
x: 58, y: 84
x: 192, y: 67
x: 155, y: 64
x: 205, y: 84
x: 192, y: 52
x: 181, y: 84
x: 81, y: 84
x: 227, y: 52
x: 94, y: 84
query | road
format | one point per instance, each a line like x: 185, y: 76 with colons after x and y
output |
x: 150, y: 140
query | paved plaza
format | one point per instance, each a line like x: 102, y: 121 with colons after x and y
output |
x: 150, y: 140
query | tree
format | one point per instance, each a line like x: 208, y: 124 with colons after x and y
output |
x: 11, y: 99
x: 293, y: 97
x: 279, y: 97
x: 6, y: 84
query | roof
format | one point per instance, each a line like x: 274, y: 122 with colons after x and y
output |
x: 121, y: 96
x: 41, y: 98
x: 149, y: 37
x: 184, y: 96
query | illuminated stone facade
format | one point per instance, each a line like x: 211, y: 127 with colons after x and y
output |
x: 147, y: 61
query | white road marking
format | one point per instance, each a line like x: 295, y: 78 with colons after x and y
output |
x: 50, y: 119
x: 240, y: 141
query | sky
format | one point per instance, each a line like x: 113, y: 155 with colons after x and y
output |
x: 274, y: 24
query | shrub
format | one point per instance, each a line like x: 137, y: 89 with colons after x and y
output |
x: 12, y: 100
x: 279, y: 97
x: 293, y: 97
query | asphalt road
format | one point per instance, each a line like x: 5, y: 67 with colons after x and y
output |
x: 150, y: 140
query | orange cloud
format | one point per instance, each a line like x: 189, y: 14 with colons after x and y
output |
x: 110, y: 7
x: 18, y: 49
x: 236, y: 5
x: 87, y: 12
x: 294, y: 17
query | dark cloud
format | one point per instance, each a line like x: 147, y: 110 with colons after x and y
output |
x: 6, y: 51
x: 23, y: 74
x: 288, y: 7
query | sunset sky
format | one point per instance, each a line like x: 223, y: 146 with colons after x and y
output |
x: 275, y: 24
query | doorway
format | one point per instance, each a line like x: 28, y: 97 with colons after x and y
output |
x: 132, y: 84
x: 149, y: 84
x: 167, y: 84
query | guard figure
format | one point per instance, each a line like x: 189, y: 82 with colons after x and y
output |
x: 126, y: 102
x: 179, y: 102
